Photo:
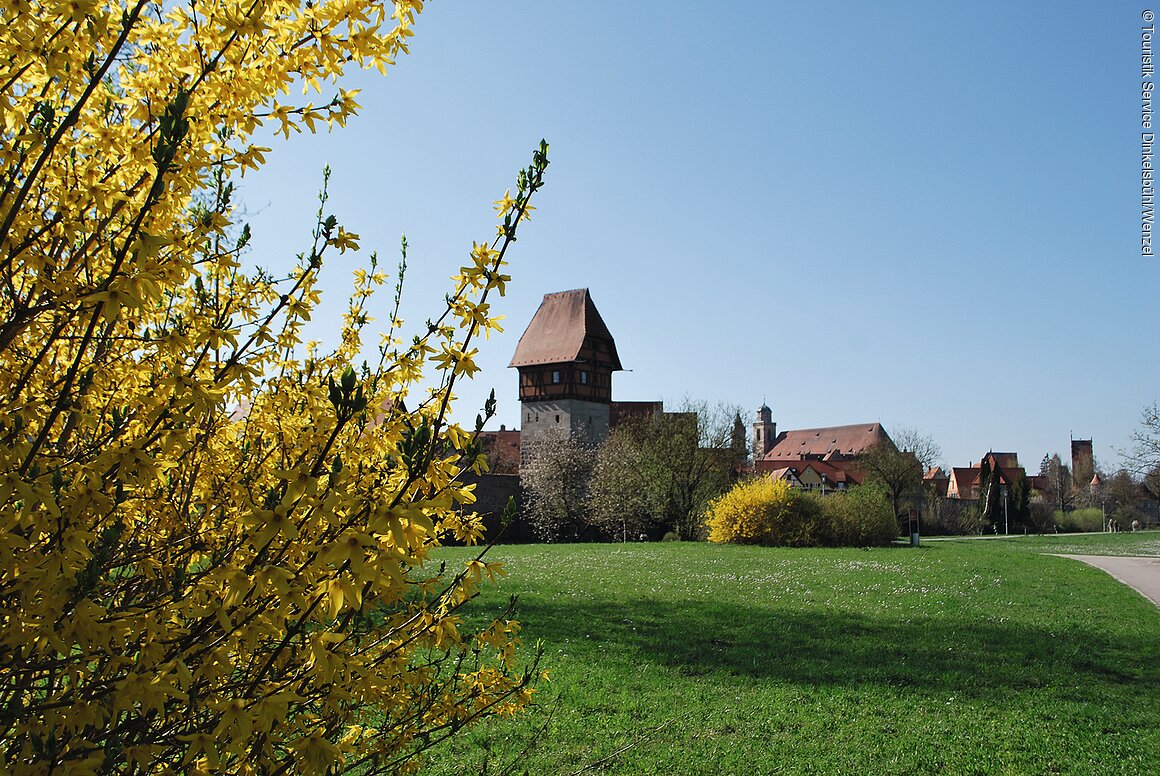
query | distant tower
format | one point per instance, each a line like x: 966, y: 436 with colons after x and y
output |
x: 764, y: 432
x: 1082, y: 462
x: 566, y: 358
x: 737, y: 446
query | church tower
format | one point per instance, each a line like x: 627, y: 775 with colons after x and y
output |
x: 566, y: 358
x: 764, y: 433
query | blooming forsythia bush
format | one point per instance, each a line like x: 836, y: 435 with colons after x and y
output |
x: 212, y: 535
x: 765, y: 511
x: 757, y: 511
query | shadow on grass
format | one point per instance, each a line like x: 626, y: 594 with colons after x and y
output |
x: 967, y: 658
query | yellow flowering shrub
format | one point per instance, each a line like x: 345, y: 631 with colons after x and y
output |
x: 213, y: 535
x: 756, y: 511
x: 765, y: 511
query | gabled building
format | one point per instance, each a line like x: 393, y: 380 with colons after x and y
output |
x: 813, y: 458
x: 830, y: 443
x: 937, y: 482
x: 814, y: 475
x: 788, y: 475
x: 566, y: 358
x: 502, y: 449
x: 965, y: 482
x: 625, y: 411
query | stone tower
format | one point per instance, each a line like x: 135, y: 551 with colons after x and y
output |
x: 764, y: 432
x: 566, y: 358
x: 1082, y: 462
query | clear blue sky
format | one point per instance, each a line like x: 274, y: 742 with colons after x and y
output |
x: 915, y: 213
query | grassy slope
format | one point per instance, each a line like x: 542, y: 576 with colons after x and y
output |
x: 968, y: 657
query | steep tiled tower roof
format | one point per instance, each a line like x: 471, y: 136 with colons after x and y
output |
x: 566, y: 324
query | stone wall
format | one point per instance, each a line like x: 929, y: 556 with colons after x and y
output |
x: 492, y: 492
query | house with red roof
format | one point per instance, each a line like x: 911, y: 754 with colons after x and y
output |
x: 937, y: 481
x: 965, y: 482
x: 822, y: 458
x: 813, y: 475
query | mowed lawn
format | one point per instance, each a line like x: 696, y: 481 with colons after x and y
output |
x: 968, y: 656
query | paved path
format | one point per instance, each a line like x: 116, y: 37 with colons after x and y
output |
x: 1141, y: 574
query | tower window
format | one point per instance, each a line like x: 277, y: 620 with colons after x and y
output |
x: 557, y: 418
x: 584, y: 378
x: 555, y: 376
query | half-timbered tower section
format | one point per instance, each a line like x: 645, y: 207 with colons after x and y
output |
x: 566, y: 358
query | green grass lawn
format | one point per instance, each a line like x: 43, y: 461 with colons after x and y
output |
x: 957, y: 656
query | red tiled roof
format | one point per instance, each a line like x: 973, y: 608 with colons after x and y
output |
x: 963, y: 478
x: 938, y: 481
x: 1007, y: 464
x: 620, y: 411
x: 834, y: 472
x: 504, y: 445
x: 784, y: 473
x: 847, y: 441
x: 965, y: 475
x: 559, y: 329
x: 1004, y: 460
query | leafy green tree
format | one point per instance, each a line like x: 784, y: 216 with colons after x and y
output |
x: 1119, y: 495
x: 859, y: 517
x: 1041, y: 518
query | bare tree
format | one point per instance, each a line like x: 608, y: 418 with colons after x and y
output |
x: 1118, y: 494
x: 1144, y: 458
x: 663, y: 470
x: 926, y: 451
x: 1055, y: 483
x: 618, y: 495
x: 555, y: 475
x: 899, y: 467
x: 898, y: 472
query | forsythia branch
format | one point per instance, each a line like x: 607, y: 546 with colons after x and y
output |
x: 214, y: 537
